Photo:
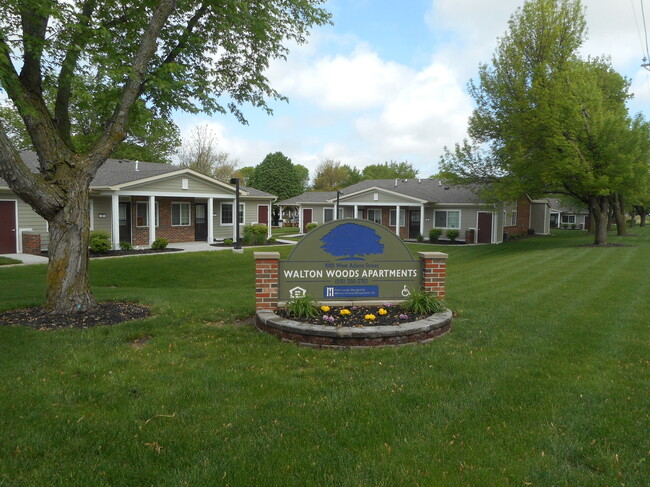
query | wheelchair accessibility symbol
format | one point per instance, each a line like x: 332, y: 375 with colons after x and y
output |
x: 406, y: 292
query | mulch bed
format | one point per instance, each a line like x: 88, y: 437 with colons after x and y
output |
x: 118, y: 253
x: 106, y: 313
x: 357, y: 317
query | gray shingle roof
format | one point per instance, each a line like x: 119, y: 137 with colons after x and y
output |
x: 430, y: 190
x: 119, y: 171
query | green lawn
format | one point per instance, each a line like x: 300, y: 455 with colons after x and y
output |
x: 544, y: 380
x: 8, y: 261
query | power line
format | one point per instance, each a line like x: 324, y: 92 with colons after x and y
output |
x: 646, y: 58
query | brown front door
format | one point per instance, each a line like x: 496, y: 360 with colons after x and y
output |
x: 263, y: 215
x: 8, y: 227
x: 306, y: 218
x: 484, y: 227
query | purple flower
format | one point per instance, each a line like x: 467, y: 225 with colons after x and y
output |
x: 387, y: 305
x: 403, y: 317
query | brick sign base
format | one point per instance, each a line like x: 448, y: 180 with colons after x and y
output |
x: 434, y: 273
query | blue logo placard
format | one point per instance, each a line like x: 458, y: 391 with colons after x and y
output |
x: 333, y: 292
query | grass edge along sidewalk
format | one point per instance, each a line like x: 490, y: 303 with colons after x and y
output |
x: 542, y: 381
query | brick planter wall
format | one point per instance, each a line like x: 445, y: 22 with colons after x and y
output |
x: 266, y: 280
x: 31, y: 243
x: 434, y: 272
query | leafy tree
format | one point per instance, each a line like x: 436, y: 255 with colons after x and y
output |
x: 303, y: 176
x: 332, y: 175
x: 245, y: 174
x: 199, y: 152
x: 277, y: 175
x: 390, y: 170
x: 163, y: 54
x: 547, y: 121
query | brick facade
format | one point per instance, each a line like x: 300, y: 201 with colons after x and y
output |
x: 266, y: 280
x: 140, y: 235
x: 523, y: 218
x: 434, y: 272
x: 31, y: 243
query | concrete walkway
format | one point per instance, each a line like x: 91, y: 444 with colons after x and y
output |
x: 29, y: 259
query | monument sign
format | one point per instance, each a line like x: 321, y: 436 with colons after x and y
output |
x: 349, y: 259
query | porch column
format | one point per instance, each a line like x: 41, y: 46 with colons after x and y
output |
x: 356, y: 211
x: 152, y: 219
x: 299, y: 218
x: 210, y: 218
x: 422, y: 220
x: 397, y: 220
x: 115, y: 221
x: 269, y: 227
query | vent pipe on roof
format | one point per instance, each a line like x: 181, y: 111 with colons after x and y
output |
x: 419, y: 180
x: 396, y: 183
x: 136, y: 166
x: 439, y: 182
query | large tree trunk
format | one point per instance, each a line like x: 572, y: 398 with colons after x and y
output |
x: 599, y: 207
x: 617, y: 202
x: 68, y: 288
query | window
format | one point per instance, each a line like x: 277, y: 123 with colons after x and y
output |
x: 226, y: 213
x: 374, y: 216
x: 446, y: 219
x: 180, y: 214
x: 328, y: 214
x: 402, y: 218
x: 568, y: 219
x: 142, y: 214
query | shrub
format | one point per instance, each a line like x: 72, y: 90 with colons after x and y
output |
x: 311, y: 226
x: 126, y: 246
x: 255, y: 234
x: 271, y: 241
x: 159, y: 244
x: 304, y: 307
x: 227, y: 241
x: 565, y: 226
x: 100, y: 242
x: 573, y: 226
x: 419, y: 238
x: 434, y: 235
x: 452, y: 235
x: 421, y: 302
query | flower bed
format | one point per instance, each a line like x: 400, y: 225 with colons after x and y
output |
x: 356, y: 316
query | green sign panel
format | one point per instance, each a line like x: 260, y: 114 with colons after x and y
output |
x: 349, y: 260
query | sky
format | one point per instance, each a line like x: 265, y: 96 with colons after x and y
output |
x: 388, y: 80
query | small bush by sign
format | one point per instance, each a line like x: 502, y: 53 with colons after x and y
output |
x: 420, y: 302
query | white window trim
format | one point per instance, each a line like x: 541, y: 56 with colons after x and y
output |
x: 231, y: 203
x: 446, y: 227
x: 573, y: 217
x: 146, y: 203
x: 402, y: 217
x: 189, y: 213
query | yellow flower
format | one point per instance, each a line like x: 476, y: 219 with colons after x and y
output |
x: 345, y: 312
x: 370, y: 317
x: 325, y: 309
x: 382, y: 311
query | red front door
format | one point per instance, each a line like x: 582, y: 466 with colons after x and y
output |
x: 8, y: 227
x: 484, y: 228
x: 263, y: 214
x: 306, y: 218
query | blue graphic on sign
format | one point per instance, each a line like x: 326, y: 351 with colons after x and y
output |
x: 351, y: 291
x: 352, y: 239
